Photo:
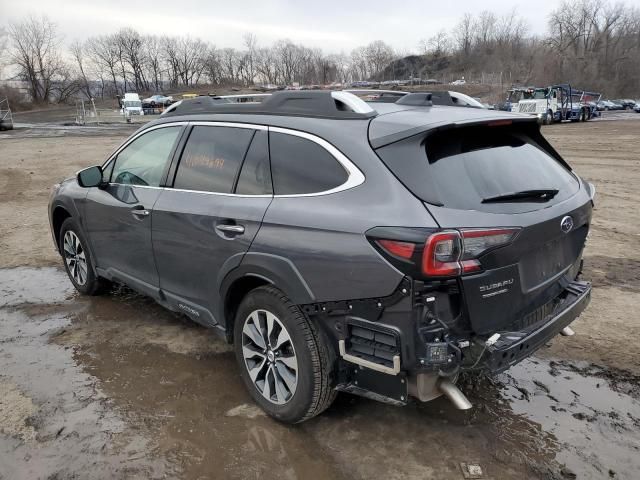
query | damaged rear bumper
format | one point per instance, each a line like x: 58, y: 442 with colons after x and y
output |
x: 512, y: 347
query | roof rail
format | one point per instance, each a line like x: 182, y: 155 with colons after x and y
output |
x: 378, y: 96
x: 319, y: 104
x: 418, y: 99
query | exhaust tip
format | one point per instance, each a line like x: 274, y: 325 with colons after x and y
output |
x: 567, y: 332
x: 454, y: 394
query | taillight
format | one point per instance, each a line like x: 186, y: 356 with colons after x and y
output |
x: 402, y: 250
x: 442, y: 254
x: 455, y: 252
x: 445, y: 253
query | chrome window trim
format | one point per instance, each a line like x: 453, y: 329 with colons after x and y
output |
x: 218, y: 193
x: 213, y: 123
x: 129, y: 140
x: 354, y: 176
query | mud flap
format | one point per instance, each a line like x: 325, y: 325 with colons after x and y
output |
x: 391, y: 389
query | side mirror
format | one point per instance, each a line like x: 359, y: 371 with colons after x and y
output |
x: 90, y: 177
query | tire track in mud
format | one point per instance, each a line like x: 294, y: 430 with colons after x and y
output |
x: 622, y: 273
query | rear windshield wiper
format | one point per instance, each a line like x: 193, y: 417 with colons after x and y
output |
x: 541, y: 195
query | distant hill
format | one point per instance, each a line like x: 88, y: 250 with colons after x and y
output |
x: 417, y: 66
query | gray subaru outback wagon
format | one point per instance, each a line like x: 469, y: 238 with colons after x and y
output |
x: 377, y: 249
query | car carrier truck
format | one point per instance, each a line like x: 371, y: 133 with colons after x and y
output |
x: 555, y: 103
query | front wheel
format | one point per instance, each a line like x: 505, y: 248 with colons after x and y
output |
x: 283, y: 357
x: 77, y: 260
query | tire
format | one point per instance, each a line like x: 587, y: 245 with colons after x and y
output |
x: 262, y: 366
x: 84, y: 278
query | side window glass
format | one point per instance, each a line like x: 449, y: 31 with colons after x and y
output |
x: 301, y: 166
x: 255, y: 176
x: 144, y: 160
x: 211, y: 158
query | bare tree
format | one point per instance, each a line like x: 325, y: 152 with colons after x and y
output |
x: 378, y: 55
x: 251, y: 45
x: 78, y: 53
x: 34, y: 50
x: 104, y: 54
x: 4, y: 42
x: 463, y: 34
x: 153, y: 56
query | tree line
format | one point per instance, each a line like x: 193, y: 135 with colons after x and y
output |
x: 592, y: 43
x: 109, y: 65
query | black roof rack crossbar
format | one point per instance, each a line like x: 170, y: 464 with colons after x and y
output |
x: 323, y: 104
x: 417, y: 99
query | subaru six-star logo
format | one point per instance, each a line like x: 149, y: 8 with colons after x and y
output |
x: 566, y: 224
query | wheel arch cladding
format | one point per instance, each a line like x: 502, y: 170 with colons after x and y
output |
x: 258, y: 269
x: 59, y: 215
x: 234, y: 295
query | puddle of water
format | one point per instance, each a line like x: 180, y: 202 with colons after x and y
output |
x: 71, y: 426
x: 189, y: 395
x: 136, y: 371
x: 592, y: 413
x: 34, y: 285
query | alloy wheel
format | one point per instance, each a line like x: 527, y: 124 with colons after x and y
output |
x: 74, y: 256
x: 269, y: 356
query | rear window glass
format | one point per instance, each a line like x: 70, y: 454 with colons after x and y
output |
x: 461, y: 167
x: 301, y: 166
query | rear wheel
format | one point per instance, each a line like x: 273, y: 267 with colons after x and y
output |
x: 77, y: 260
x: 284, y: 360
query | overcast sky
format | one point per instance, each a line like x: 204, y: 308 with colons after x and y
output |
x: 331, y: 25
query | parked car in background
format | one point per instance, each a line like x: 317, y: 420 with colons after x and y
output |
x: 626, y: 103
x: 607, y: 105
x: 157, y: 100
x: 462, y: 81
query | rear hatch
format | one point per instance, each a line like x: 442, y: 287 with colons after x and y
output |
x: 501, y: 174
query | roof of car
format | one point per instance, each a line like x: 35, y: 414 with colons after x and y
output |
x: 389, y: 122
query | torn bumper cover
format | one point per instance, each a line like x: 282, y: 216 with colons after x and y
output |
x: 512, y: 347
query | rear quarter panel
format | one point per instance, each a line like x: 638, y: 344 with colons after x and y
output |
x: 324, y: 235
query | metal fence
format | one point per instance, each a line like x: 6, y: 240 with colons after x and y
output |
x: 6, y: 117
x: 88, y: 114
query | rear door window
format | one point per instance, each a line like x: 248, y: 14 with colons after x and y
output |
x: 301, y: 166
x: 211, y: 158
x: 255, y: 176
x: 462, y: 167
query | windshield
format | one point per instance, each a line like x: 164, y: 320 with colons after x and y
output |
x: 132, y: 103
x: 514, y: 96
x: 540, y: 94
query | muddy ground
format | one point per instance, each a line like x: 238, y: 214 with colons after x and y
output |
x: 116, y: 387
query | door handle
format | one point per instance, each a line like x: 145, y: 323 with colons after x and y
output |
x: 140, y: 211
x: 237, y: 229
